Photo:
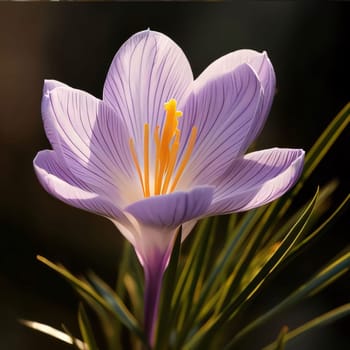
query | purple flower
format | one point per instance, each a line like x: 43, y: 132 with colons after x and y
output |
x: 161, y: 150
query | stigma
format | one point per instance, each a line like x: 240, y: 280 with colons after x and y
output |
x: 159, y: 173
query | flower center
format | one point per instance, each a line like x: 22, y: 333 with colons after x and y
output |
x: 165, y: 173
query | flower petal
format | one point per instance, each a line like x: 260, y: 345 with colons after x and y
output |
x: 256, y: 179
x: 262, y: 66
x: 147, y: 71
x: 223, y: 111
x: 62, y: 184
x: 93, y: 142
x: 46, y: 111
x: 172, y: 210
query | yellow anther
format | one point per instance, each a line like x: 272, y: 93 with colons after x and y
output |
x: 167, y: 144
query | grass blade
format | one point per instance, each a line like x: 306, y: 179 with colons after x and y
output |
x: 55, y: 333
x: 85, y: 329
x: 187, y: 268
x: 281, y: 340
x: 105, y: 297
x: 337, y: 268
x: 317, y: 322
x: 237, y: 302
x: 196, y: 274
x: 116, y: 304
x: 169, y: 282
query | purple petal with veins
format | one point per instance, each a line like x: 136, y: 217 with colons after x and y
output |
x: 174, y: 209
x: 147, y: 71
x: 223, y: 110
x: 256, y: 179
x: 61, y: 183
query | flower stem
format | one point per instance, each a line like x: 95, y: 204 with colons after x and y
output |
x: 153, y: 284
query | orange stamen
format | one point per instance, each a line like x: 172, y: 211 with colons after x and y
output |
x: 172, y: 161
x: 167, y: 144
x: 146, y: 159
x: 185, y: 158
x: 136, y: 162
x: 157, y: 178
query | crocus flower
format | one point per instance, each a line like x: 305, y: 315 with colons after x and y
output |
x: 162, y: 150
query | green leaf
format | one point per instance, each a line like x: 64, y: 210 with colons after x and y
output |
x: 197, y: 272
x: 258, y: 262
x: 127, y: 286
x: 130, y: 279
x: 281, y: 340
x: 317, y: 322
x: 165, y: 318
x: 65, y: 337
x: 135, y: 293
x: 109, y: 323
x: 321, y: 205
x: 243, y: 266
x: 116, y: 304
x: 104, y: 296
x: 344, y: 205
x: 306, y: 241
x: 77, y: 344
x: 123, y: 268
x: 274, y: 257
x: 213, y: 279
x: 237, y: 301
x: 85, y: 329
x: 196, y: 246
x: 189, y: 272
x: 336, y: 268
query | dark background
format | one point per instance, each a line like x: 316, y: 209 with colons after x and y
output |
x: 75, y: 43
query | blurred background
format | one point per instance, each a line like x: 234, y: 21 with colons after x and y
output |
x: 75, y: 43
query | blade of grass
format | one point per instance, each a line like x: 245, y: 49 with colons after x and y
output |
x: 165, y: 318
x: 135, y: 294
x: 113, y: 304
x: 320, y: 208
x: 197, y: 272
x: 238, y: 248
x: 231, y: 224
x: 116, y: 305
x: 317, y: 322
x: 336, y: 268
x: 187, y: 268
x: 123, y: 268
x: 76, y: 341
x: 344, y: 205
x: 216, y: 322
x: 219, y: 266
x: 130, y: 282
x: 86, y: 329
x: 108, y: 322
x: 277, y: 256
x: 55, y: 333
x: 244, y: 259
x: 281, y: 340
x: 300, y: 246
